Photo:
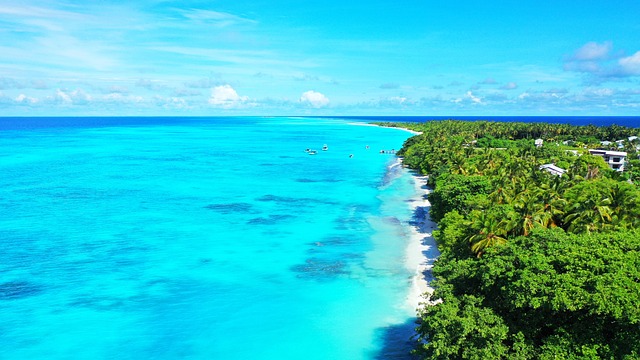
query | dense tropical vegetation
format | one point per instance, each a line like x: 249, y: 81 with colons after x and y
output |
x: 533, y: 265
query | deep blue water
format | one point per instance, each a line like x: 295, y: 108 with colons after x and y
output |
x: 25, y: 123
x: 14, y: 123
x: 202, y: 238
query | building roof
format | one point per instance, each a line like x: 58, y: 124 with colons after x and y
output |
x: 608, y: 152
x: 553, y: 169
x: 617, y: 153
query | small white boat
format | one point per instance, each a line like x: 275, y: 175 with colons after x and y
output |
x: 325, y: 147
x: 312, y: 152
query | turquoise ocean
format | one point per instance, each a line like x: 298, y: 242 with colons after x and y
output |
x: 205, y: 238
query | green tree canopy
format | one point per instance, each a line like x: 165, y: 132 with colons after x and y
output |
x: 560, y: 295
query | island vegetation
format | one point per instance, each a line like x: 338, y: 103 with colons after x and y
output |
x: 533, y: 265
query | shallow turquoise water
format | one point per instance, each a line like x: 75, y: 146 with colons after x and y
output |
x: 210, y: 238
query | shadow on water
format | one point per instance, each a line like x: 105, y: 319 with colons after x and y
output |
x: 320, y: 269
x: 396, y: 341
x: 18, y: 289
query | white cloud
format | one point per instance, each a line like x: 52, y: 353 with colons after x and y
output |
x: 509, y: 86
x: 75, y: 97
x: 396, y: 102
x: 314, y: 99
x: 24, y: 99
x: 171, y: 102
x: 226, y: 97
x: 63, y: 97
x: 600, y: 65
x: 474, y: 98
x: 591, y: 58
x: 398, y: 99
x: 600, y: 92
x: 305, y: 77
x: 593, y: 51
x: 631, y: 64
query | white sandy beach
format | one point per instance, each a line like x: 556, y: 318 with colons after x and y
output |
x: 422, y: 250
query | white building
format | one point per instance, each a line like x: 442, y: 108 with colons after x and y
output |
x: 615, y: 159
x: 539, y: 142
x: 552, y: 169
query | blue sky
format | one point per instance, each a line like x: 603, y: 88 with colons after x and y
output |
x: 331, y: 57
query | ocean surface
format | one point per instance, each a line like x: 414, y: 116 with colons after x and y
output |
x: 203, y: 238
x: 206, y: 238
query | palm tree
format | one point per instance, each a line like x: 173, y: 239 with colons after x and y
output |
x: 529, y: 213
x: 625, y: 205
x: 489, y: 232
x: 589, y: 215
x: 551, y: 202
x: 505, y: 191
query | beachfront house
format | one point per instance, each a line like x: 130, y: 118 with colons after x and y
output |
x: 552, y: 169
x: 539, y: 142
x: 615, y: 159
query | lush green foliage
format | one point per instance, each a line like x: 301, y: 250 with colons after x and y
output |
x: 550, y: 295
x: 458, y: 192
x: 533, y: 266
x: 519, y: 130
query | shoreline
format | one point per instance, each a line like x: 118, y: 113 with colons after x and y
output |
x: 422, y: 250
x: 388, y: 127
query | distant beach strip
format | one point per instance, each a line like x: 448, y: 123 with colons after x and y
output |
x: 399, y: 128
